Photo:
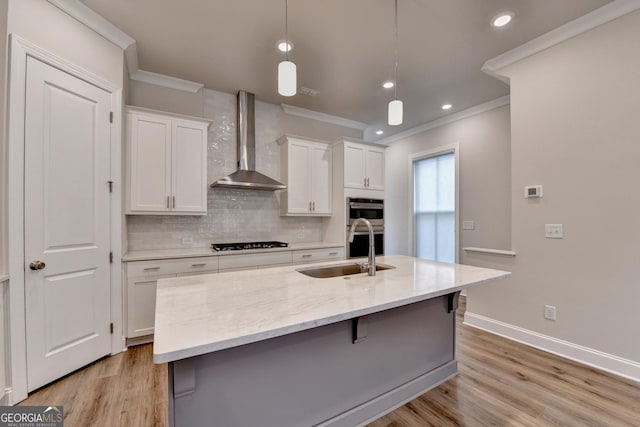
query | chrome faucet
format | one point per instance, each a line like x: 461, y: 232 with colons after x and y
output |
x: 371, y: 265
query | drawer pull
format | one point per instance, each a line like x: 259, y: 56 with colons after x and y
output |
x: 199, y: 265
x: 152, y: 268
x: 307, y: 256
x: 333, y: 253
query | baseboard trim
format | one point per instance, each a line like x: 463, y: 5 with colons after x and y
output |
x: 7, y: 399
x: 390, y: 401
x: 138, y: 340
x: 625, y: 368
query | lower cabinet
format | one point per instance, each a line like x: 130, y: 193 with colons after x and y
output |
x: 142, y: 279
x: 143, y: 276
x: 141, y: 305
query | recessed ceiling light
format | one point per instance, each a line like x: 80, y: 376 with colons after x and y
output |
x: 285, y: 46
x: 446, y: 106
x: 388, y: 84
x: 502, y: 19
x: 379, y: 132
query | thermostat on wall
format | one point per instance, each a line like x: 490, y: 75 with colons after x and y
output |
x: 532, y: 191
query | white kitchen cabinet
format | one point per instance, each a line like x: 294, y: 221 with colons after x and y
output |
x: 167, y: 163
x: 307, y: 172
x: 363, y: 166
x: 141, y: 304
x: 142, y: 280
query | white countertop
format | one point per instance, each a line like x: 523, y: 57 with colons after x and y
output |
x: 201, y: 314
x: 147, y: 255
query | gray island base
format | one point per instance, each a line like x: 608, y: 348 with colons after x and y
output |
x: 384, y: 341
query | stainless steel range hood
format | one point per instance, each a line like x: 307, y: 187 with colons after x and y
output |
x: 246, y: 177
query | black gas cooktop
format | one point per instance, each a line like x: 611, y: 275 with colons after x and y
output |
x: 247, y: 245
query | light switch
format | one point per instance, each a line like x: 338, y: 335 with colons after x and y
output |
x: 468, y: 225
x: 553, y: 231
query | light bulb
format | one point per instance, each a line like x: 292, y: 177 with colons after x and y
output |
x: 395, y: 113
x: 287, y: 80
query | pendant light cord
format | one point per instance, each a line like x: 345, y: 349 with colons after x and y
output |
x: 395, y: 87
x: 286, y: 29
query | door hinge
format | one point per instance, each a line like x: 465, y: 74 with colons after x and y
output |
x: 110, y: 257
x: 111, y: 327
x: 110, y: 186
x: 110, y: 116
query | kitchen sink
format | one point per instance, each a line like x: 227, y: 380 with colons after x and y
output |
x: 339, y: 270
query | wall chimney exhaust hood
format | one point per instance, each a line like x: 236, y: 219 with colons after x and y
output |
x: 246, y: 177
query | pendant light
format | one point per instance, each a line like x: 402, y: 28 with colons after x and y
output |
x: 287, y: 80
x: 395, y: 107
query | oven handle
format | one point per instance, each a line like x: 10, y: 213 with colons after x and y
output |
x: 366, y: 233
x: 377, y: 206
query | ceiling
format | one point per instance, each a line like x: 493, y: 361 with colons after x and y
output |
x: 343, y: 48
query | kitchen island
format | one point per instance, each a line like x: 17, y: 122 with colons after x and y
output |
x: 275, y: 347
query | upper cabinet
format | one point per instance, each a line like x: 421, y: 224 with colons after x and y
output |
x: 166, y: 163
x: 363, y: 166
x: 306, y: 170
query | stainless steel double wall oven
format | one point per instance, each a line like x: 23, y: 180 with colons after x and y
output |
x: 372, y: 210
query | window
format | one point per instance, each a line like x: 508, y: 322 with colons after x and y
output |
x: 434, y: 207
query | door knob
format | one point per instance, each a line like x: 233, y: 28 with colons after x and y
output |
x: 37, y: 265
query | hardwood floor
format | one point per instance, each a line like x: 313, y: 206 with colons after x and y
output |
x: 123, y: 390
x: 501, y: 383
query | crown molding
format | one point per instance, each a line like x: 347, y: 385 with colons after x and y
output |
x: 166, y: 81
x: 591, y: 20
x: 97, y: 23
x: 323, y: 117
x: 115, y: 35
x: 480, y: 108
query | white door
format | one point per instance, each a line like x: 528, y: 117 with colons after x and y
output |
x: 150, y: 151
x: 298, y: 186
x: 67, y: 146
x: 375, y: 168
x: 189, y: 167
x: 321, y: 179
x: 354, y: 158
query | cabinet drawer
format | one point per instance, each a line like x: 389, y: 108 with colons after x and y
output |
x: 317, y: 255
x: 254, y: 260
x: 171, y: 266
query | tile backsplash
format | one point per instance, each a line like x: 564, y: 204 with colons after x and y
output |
x: 232, y: 215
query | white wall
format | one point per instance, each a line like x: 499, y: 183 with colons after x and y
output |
x: 575, y: 111
x: 165, y: 99
x: 4, y: 366
x: 43, y: 24
x: 3, y: 112
x: 484, y: 180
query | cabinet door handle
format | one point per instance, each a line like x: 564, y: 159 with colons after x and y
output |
x: 365, y: 182
x: 167, y: 202
x: 152, y: 268
x: 309, y: 206
x: 199, y: 265
x: 333, y: 253
x: 307, y: 256
x: 174, y: 201
x: 314, y: 206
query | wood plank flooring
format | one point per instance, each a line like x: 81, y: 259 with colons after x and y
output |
x: 501, y: 383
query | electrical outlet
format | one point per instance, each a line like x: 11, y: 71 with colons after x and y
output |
x: 468, y: 225
x: 553, y: 231
x: 187, y: 240
x: 550, y: 312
